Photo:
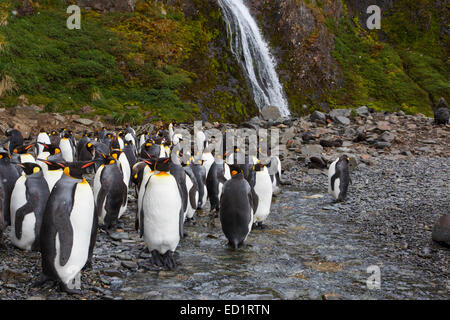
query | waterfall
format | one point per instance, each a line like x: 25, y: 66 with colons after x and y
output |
x: 252, y: 53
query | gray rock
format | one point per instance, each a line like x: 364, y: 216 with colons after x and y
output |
x: 340, y: 113
x: 382, y: 144
x: 311, y: 150
x: 319, y: 116
x: 85, y: 122
x: 271, y: 113
x: 362, y: 111
x: 342, y: 120
x: 387, y: 137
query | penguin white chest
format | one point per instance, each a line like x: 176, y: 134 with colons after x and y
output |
x: 263, y: 188
x: 18, y: 200
x: 81, y: 219
x: 333, y: 189
x: 66, y: 149
x: 52, y: 177
x: 162, y: 204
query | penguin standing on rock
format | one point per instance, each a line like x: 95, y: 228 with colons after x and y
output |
x: 441, y: 113
x: 339, y: 178
x: 161, y: 215
x: 28, y: 201
x: 69, y: 229
x: 237, y: 205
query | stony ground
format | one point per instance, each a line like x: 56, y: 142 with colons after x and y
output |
x: 400, y: 175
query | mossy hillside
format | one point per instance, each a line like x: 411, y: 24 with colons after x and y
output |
x: 147, y: 65
x: 399, y: 74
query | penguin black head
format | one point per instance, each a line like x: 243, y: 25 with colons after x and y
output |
x: 42, y: 130
x: 163, y: 164
x: 4, y: 154
x: 30, y: 168
x: 259, y: 167
x: 77, y: 169
x: 22, y: 149
x: 236, y: 169
x: 90, y: 147
x: 344, y: 158
x: 116, y: 154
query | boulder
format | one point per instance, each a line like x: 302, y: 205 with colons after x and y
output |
x: 271, y: 113
x: 311, y: 150
x: 319, y: 116
x: 342, y: 120
x: 340, y: 113
x: 362, y: 111
x: 84, y: 122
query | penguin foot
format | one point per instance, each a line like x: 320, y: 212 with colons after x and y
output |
x: 65, y: 288
x: 259, y: 225
x: 157, y: 259
x: 168, y: 260
x: 43, y: 279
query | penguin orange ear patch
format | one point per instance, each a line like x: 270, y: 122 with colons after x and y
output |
x: 87, y: 165
x: 165, y: 161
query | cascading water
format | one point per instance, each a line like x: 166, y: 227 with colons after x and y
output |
x: 252, y: 53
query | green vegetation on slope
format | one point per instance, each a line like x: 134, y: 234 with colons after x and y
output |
x: 123, y: 65
x: 399, y: 74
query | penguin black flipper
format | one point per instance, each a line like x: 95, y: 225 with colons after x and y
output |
x: 37, y: 195
x: 63, y: 225
x: 92, y: 241
x: 27, y: 208
x: 253, y: 200
x: 192, y: 194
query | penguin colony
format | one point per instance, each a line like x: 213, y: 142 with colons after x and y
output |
x: 51, y: 208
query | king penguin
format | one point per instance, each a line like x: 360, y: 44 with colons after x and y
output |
x: 161, y: 215
x: 192, y: 190
x: 110, y: 193
x: 237, y: 205
x: 41, y: 140
x: 8, y: 177
x: 69, y: 229
x: 339, y: 178
x: 200, y: 174
x: 28, y: 201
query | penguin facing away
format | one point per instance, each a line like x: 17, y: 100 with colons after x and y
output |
x: 192, y: 190
x: 69, y: 229
x: 28, y: 202
x: 161, y: 215
x: 110, y: 193
x: 237, y: 205
x: 200, y: 174
x: 339, y: 178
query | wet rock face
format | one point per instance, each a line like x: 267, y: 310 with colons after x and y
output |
x: 107, y: 5
x: 304, y: 40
